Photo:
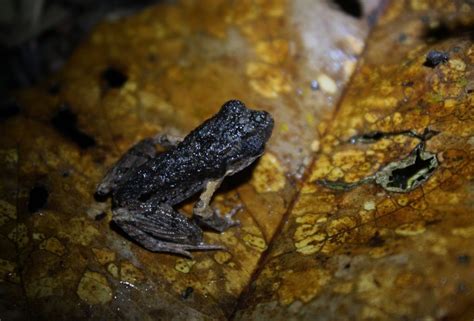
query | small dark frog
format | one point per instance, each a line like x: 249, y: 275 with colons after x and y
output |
x: 146, y: 184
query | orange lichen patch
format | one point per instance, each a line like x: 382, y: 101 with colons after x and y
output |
x: 94, y: 288
x: 104, y: 255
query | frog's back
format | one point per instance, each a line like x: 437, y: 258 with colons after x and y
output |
x: 222, y: 145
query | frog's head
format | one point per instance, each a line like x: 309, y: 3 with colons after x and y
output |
x: 244, y: 132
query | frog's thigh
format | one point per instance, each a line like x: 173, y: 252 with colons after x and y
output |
x: 202, y: 207
x: 137, y: 155
x: 139, y: 227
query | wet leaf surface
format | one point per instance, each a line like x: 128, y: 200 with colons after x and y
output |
x: 303, y: 250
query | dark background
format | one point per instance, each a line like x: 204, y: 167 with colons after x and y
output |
x: 38, y: 36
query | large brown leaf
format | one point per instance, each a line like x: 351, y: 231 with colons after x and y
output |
x: 302, y: 250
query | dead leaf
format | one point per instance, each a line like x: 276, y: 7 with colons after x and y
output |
x: 303, y: 250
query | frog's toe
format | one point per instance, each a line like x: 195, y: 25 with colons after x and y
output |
x: 218, y: 222
x: 232, y: 212
x: 183, y: 249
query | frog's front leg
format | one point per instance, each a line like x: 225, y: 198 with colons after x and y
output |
x: 205, y: 215
x: 162, y: 229
x: 137, y: 155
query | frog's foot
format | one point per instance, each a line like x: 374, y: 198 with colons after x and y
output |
x: 216, y: 221
x: 162, y: 230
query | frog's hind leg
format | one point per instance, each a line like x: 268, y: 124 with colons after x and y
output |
x: 137, y: 155
x: 205, y: 215
x: 162, y: 230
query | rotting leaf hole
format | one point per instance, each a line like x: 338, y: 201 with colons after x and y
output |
x: 114, y: 77
x: 400, y: 176
x: 351, y: 7
x: 38, y: 198
x: 65, y: 121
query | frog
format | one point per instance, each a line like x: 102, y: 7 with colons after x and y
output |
x: 146, y: 184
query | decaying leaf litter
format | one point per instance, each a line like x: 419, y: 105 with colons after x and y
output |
x: 368, y: 249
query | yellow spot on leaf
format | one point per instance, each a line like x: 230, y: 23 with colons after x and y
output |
x: 130, y: 273
x: 311, y: 244
x: 335, y: 174
x: 327, y: 84
x: 103, y: 255
x: 268, y: 175
x: 315, y: 145
x: 369, y: 206
x: 184, y: 265
x: 255, y: 242
x: 222, y: 257
x: 38, y: 236
x: 53, y: 245
x: 94, y: 288
x: 113, y: 270
x: 370, y: 117
x: 466, y: 232
x: 272, y: 52
x: 267, y: 80
x: 457, y: 64
x: 411, y: 229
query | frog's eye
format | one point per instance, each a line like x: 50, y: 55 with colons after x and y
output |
x: 233, y: 106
